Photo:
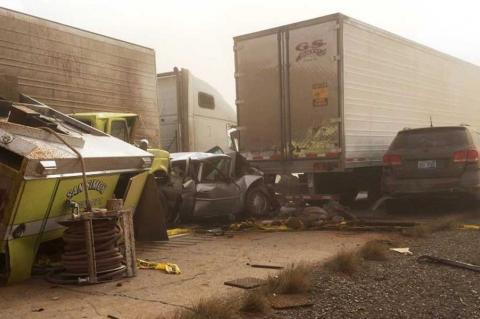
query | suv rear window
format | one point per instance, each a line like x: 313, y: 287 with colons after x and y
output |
x: 439, y: 137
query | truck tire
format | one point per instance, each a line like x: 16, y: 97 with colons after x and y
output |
x: 257, y: 202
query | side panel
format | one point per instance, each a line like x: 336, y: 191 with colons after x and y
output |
x: 167, y: 103
x: 258, y: 96
x: 42, y: 203
x: 78, y: 71
x: 313, y: 91
x: 392, y: 83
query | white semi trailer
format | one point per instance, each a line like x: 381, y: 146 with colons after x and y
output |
x: 193, y: 115
x: 325, y: 97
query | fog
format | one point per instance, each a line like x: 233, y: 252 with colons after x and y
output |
x: 198, y: 34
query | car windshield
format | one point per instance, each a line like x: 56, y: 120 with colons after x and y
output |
x: 440, y: 137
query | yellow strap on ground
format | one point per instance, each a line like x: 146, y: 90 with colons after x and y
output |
x: 254, y: 226
x: 470, y: 226
x: 169, y: 268
x: 178, y: 231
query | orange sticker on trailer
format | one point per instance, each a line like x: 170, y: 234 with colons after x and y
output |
x: 320, y: 94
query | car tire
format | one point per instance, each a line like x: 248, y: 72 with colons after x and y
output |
x: 257, y: 202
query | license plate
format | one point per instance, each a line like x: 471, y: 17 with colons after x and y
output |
x: 427, y: 164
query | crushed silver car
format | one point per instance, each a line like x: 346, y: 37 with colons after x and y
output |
x: 204, y: 185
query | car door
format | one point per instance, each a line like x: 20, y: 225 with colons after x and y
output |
x: 216, y: 192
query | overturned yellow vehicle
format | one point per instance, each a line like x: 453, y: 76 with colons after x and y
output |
x: 43, y: 156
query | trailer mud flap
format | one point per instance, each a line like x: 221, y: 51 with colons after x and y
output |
x: 150, y: 216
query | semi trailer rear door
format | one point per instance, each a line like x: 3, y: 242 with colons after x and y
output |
x: 258, y: 97
x: 313, y: 107
x: 288, y: 92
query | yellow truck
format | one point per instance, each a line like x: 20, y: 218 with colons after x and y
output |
x: 43, y: 157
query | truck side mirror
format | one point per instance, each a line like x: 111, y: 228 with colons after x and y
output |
x: 234, y: 135
x: 143, y: 144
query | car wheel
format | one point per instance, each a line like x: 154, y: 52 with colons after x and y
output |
x: 256, y: 202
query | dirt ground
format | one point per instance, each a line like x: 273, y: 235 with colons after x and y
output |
x: 206, y: 263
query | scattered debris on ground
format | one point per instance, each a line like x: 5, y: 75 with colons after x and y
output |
x: 449, y: 262
x: 402, y: 250
x: 168, y: 268
x: 400, y: 286
x: 245, y: 283
x: 265, y: 266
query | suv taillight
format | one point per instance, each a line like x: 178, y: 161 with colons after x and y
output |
x: 468, y: 156
x: 392, y: 159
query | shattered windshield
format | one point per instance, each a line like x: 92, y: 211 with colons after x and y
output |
x: 216, y: 169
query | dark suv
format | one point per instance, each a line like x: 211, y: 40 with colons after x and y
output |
x: 433, y: 161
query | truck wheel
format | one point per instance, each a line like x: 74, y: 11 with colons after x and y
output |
x: 256, y: 202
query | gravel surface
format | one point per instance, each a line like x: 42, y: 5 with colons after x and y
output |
x: 401, y: 287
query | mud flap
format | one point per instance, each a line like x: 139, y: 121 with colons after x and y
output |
x: 150, y: 216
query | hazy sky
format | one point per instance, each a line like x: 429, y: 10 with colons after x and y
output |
x: 198, y: 34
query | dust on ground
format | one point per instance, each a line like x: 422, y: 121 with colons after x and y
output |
x: 206, y: 263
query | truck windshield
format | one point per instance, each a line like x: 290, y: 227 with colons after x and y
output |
x: 437, y: 137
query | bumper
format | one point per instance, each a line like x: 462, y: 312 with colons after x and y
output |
x: 467, y: 184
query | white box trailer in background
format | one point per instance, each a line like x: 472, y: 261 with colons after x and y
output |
x: 194, y: 117
x: 74, y: 71
x: 325, y: 97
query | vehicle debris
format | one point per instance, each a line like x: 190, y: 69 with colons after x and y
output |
x: 404, y: 251
x: 265, y: 266
x: 245, y: 283
x: 168, y: 268
x: 449, y: 262
x: 469, y: 227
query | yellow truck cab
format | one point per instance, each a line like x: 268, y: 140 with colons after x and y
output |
x: 122, y: 126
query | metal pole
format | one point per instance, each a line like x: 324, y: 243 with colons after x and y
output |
x: 90, y: 249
